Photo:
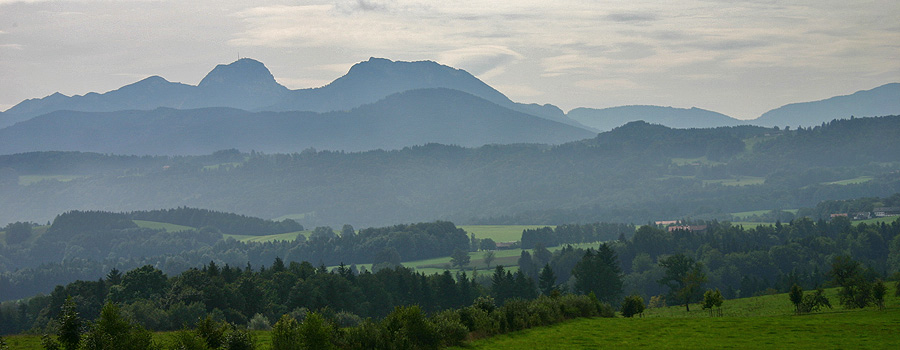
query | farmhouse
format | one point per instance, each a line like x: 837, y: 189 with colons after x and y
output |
x: 692, y: 228
x: 886, y: 211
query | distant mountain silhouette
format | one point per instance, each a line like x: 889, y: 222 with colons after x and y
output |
x: 609, y: 118
x: 880, y: 101
x: 409, y: 118
x: 247, y: 84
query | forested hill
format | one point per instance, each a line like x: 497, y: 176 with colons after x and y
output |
x: 632, y: 174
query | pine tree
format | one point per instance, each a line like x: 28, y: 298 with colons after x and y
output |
x: 547, y: 280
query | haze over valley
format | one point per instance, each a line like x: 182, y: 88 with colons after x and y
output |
x: 397, y: 174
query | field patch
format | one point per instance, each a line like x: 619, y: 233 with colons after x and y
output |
x: 853, y: 181
x: 289, y: 236
x: 738, y: 181
x: 161, y: 226
x: 500, y: 233
x: 25, y: 180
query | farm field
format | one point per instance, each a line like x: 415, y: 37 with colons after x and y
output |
x: 508, y: 258
x: 25, y: 180
x: 161, y: 226
x: 744, y: 214
x: 738, y: 181
x: 853, y: 181
x: 499, y: 233
x: 289, y: 236
x: 749, y: 323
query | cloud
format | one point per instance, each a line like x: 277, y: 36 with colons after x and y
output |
x: 631, y: 17
x: 485, y: 61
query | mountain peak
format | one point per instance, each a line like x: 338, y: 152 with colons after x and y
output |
x: 245, y: 71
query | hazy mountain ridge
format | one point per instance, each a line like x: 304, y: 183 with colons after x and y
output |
x: 609, y: 118
x: 409, y: 118
x: 880, y: 101
x: 247, y: 84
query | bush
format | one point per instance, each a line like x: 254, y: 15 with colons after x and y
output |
x: 478, y: 321
x: 813, y: 302
x: 315, y: 332
x: 633, y: 305
x: 367, y: 335
x: 187, y: 340
x: 286, y: 334
x: 259, y: 322
x: 239, y: 340
x: 212, y: 332
x: 450, y: 328
x: 407, y: 328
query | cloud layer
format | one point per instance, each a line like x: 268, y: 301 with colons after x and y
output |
x: 737, y: 57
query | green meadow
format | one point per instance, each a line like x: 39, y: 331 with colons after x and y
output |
x: 764, y: 322
x: 738, y: 181
x: 161, y: 226
x: 853, y: 181
x: 25, y: 180
x: 499, y: 233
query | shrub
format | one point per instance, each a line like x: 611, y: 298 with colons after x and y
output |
x: 259, y: 322
x: 187, y: 340
x: 407, y: 328
x: 315, y: 332
x: 633, y: 305
x: 478, y: 321
x: 238, y: 340
x: 450, y: 328
x: 813, y: 302
x: 212, y: 332
x: 345, y: 319
x: 367, y: 335
x: 878, y: 292
x: 286, y: 334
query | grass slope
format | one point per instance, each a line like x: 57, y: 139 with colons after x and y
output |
x: 749, y: 323
x: 161, y: 226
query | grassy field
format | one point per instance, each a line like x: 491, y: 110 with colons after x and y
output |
x: 744, y: 214
x: 290, y: 236
x: 25, y: 180
x: 699, y: 160
x: 738, y: 181
x: 499, y: 233
x: 750, y: 323
x: 161, y: 226
x: 853, y: 181
x: 509, y: 258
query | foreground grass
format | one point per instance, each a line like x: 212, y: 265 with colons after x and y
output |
x: 868, y: 329
x: 749, y: 323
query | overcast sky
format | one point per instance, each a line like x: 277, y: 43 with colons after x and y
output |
x: 740, y: 58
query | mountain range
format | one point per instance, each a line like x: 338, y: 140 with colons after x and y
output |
x: 413, y: 117
x: 378, y: 103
